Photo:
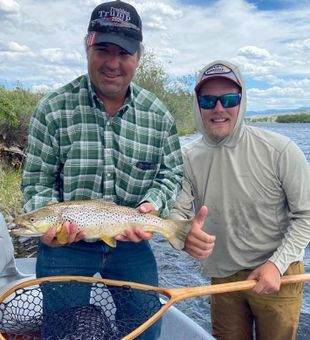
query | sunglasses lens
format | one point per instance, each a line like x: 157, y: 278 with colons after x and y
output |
x: 230, y: 100
x: 207, y: 102
x: 227, y: 100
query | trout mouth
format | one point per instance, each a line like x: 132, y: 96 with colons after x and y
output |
x: 21, y: 230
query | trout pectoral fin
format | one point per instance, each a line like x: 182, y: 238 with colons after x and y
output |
x: 109, y: 241
x: 62, y: 236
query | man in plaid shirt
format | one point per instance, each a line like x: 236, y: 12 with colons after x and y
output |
x: 101, y: 136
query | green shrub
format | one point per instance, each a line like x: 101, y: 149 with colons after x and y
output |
x: 11, y: 198
x: 16, y: 107
x: 151, y: 76
x: 7, y: 110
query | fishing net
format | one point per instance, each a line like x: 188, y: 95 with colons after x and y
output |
x: 73, y: 310
x: 84, y: 308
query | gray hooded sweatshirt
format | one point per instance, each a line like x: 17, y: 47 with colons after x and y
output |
x: 256, y: 185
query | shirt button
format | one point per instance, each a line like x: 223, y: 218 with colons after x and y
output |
x: 108, y: 123
x: 108, y: 174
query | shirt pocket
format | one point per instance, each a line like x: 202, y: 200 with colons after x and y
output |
x: 136, y: 175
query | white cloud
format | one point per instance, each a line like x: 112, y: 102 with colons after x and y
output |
x: 300, y: 45
x: 9, y: 6
x: 157, y: 15
x: 9, y: 58
x: 44, y: 88
x: 293, y: 94
x: 57, y: 55
x: 254, y: 52
x: 42, y: 43
x: 16, y: 47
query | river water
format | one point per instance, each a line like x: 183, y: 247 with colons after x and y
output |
x: 177, y: 269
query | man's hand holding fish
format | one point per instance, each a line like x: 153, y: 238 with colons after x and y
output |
x: 69, y: 234
x: 138, y: 234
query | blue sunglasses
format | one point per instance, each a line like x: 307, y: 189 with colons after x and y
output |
x: 227, y: 100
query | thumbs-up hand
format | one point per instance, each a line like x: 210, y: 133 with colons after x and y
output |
x: 199, y: 244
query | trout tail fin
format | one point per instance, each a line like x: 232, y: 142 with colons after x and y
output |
x: 178, y: 237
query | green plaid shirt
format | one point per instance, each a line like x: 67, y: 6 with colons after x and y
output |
x: 76, y: 151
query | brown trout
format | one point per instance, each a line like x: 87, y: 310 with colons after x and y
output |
x: 99, y: 219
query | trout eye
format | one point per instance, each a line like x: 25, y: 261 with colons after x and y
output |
x: 32, y: 219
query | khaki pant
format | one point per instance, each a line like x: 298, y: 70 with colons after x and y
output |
x: 276, y: 316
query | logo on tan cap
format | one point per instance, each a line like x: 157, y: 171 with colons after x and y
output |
x: 214, y: 71
x: 217, y: 69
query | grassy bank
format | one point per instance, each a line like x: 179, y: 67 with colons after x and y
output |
x: 11, y: 199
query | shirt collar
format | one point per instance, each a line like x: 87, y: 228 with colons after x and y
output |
x: 92, y: 94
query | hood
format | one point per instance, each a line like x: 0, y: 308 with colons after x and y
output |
x: 237, y: 132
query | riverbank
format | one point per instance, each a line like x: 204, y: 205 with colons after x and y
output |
x: 300, y: 117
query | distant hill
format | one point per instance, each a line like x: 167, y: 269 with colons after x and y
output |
x: 275, y: 112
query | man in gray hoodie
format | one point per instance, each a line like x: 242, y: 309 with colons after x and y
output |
x: 255, y: 185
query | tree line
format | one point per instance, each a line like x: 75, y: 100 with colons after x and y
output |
x: 302, y: 117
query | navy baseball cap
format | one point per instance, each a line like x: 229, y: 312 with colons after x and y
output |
x: 115, y: 22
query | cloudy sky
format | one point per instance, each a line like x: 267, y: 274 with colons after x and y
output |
x: 41, y: 43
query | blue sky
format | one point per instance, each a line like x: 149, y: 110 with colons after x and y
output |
x: 259, y: 4
x: 41, y: 43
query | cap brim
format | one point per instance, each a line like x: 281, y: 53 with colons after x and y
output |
x: 203, y: 81
x: 128, y: 44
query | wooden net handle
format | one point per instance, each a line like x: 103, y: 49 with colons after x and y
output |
x: 178, y: 294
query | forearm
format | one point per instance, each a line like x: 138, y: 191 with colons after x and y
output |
x: 293, y: 244
x: 38, y: 187
x: 294, y: 173
x: 41, y: 169
x: 184, y: 205
x: 164, y: 190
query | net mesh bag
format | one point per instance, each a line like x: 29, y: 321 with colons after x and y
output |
x: 72, y: 310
